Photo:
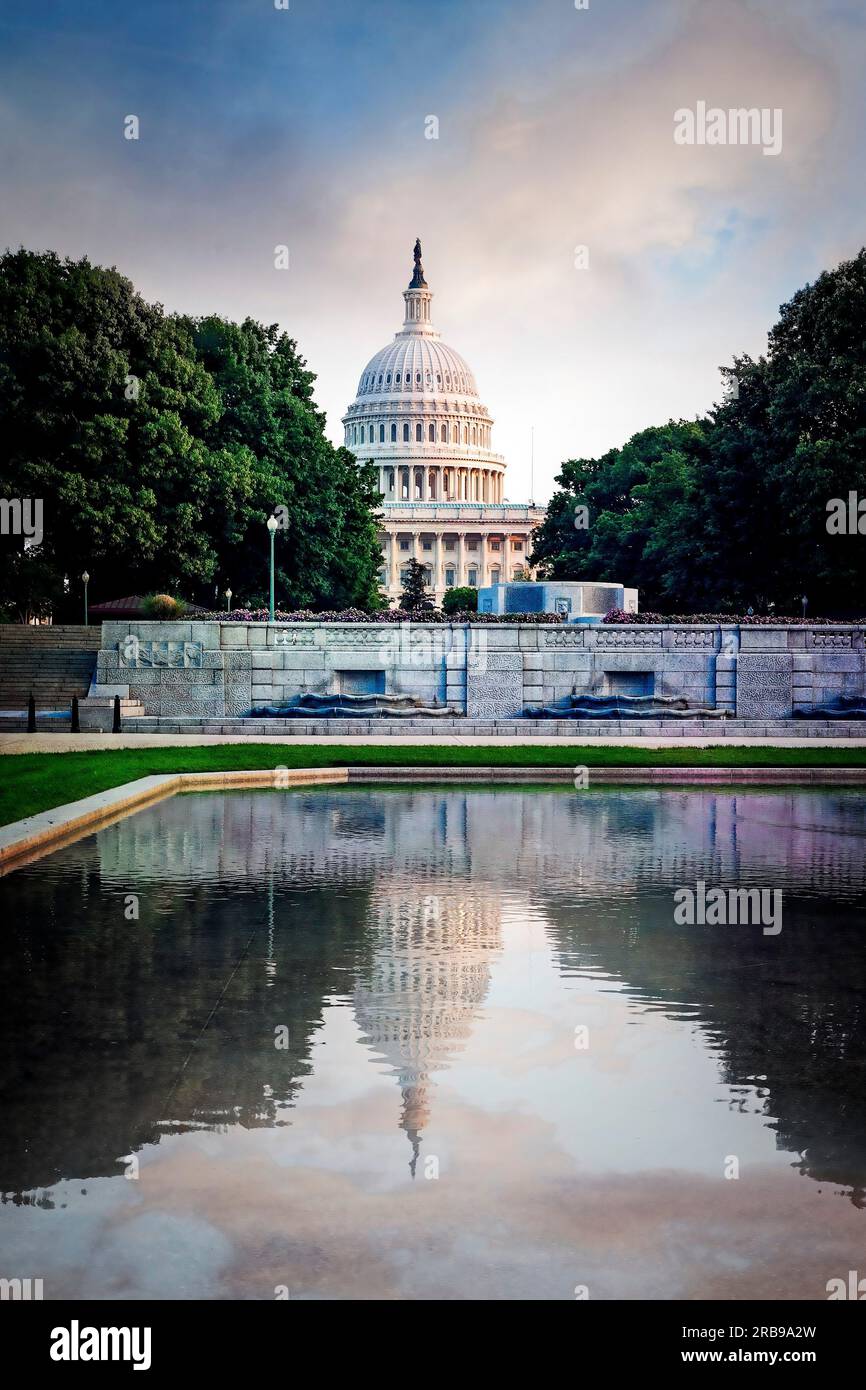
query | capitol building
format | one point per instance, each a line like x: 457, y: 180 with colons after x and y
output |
x: 419, y: 419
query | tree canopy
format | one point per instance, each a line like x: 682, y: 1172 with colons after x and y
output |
x: 160, y: 444
x: 731, y: 511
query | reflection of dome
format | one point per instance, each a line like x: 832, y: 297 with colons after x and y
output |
x: 428, y: 976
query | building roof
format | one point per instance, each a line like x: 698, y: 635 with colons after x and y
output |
x: 132, y: 604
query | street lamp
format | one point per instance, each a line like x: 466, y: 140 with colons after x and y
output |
x: 805, y: 603
x: 86, y: 577
x: 229, y: 600
x: 272, y: 528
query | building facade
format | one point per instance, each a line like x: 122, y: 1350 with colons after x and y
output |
x: 419, y: 419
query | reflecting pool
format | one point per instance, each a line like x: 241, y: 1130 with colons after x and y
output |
x: 437, y: 1043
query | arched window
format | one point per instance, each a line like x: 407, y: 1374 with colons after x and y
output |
x: 390, y: 477
x: 398, y: 378
x: 393, y: 434
x: 388, y: 379
x: 474, y: 434
x: 419, y: 433
x: 432, y: 434
x: 406, y: 434
x: 465, y: 434
x: 381, y: 434
x: 417, y: 378
x: 443, y: 434
x: 455, y: 434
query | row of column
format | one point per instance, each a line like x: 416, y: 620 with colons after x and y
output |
x: 484, y: 560
x: 415, y: 484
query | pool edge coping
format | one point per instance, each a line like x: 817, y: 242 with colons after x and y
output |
x: 35, y: 835
x: 24, y: 840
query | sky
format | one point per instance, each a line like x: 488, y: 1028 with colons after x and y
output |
x: 307, y: 127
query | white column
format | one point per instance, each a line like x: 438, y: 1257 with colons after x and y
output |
x: 393, y: 573
x: 461, y: 571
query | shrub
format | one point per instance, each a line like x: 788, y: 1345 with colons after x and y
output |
x: 164, y: 607
x: 460, y: 600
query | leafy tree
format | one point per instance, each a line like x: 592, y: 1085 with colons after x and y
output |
x: 415, y: 598
x: 462, y: 599
x: 730, y: 512
x: 159, y: 445
x: 609, y: 516
x: 791, y: 437
x: 29, y: 587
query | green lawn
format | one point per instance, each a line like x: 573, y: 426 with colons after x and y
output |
x: 32, y: 782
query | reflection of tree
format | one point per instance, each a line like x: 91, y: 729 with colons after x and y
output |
x: 786, y: 1015
x: 101, y: 1014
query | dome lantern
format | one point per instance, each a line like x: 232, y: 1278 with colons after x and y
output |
x: 417, y: 297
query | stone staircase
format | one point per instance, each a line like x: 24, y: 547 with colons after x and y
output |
x: 54, y: 663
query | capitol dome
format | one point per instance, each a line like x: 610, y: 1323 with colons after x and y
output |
x: 417, y: 402
x: 417, y: 364
x: 418, y: 419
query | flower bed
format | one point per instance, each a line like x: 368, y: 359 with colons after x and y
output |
x: 618, y: 615
x: 387, y: 615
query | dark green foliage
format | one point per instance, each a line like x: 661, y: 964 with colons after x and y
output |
x: 159, y: 445
x: 730, y: 512
x: 462, y: 599
x: 415, y: 597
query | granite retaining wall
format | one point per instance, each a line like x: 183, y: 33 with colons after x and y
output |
x: 216, y: 673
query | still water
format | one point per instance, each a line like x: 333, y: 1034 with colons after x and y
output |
x: 437, y: 1044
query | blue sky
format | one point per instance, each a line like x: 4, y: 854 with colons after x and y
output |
x: 306, y: 128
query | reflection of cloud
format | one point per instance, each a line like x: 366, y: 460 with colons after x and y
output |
x: 508, y: 1218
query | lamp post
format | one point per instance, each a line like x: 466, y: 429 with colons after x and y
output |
x: 805, y: 603
x: 228, y: 600
x: 272, y: 530
x: 86, y: 578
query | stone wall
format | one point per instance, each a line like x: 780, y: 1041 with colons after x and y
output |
x: 206, y: 670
